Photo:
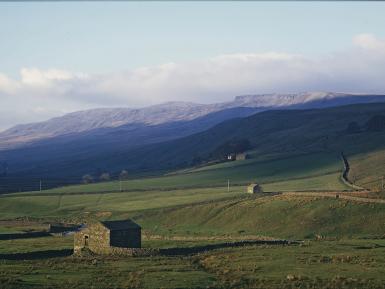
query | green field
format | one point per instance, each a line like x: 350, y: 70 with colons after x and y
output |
x: 367, y: 169
x: 343, y: 240
x: 280, y: 216
x: 315, y: 264
x: 67, y: 206
x: 304, y: 172
x: 294, y: 172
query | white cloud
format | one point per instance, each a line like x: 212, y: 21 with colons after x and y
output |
x: 39, y: 94
x: 368, y: 41
x: 36, y: 77
x: 7, y: 85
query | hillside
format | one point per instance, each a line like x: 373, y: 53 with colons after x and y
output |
x: 170, y: 112
x: 299, y: 172
x: 279, y: 216
x: 272, y: 134
x: 208, y: 212
x: 343, y: 246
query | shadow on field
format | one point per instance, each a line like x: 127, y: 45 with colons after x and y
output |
x: 37, y: 255
x: 14, y: 236
x: 199, y: 249
x: 184, y: 251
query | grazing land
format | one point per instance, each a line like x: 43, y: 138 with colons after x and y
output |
x: 183, y: 188
x: 293, y: 172
x: 343, y: 263
x: 286, y: 145
x: 342, y: 240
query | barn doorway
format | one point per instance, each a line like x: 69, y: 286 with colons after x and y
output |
x: 85, y: 241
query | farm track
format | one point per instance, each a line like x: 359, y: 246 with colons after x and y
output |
x: 335, y: 195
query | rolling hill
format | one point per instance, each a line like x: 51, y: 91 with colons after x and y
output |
x: 92, y: 120
x: 279, y: 134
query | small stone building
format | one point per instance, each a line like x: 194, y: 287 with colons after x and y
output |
x: 108, y: 236
x: 237, y: 156
x: 242, y: 156
x: 254, y: 189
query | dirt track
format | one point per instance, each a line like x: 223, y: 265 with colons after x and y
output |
x: 335, y: 195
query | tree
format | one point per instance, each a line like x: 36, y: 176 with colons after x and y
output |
x: 353, y: 127
x: 123, y: 175
x: 376, y: 123
x: 104, y: 177
x: 87, y: 179
x: 232, y: 147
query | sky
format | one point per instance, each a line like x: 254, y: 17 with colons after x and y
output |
x: 59, y: 57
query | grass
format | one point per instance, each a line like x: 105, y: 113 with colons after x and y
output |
x: 367, y: 169
x: 35, y: 244
x: 18, y: 228
x: 333, y: 264
x: 301, y: 172
x: 195, y: 208
x: 343, y: 259
x: 279, y: 216
x: 316, y: 264
x: 81, y: 204
x: 304, y: 172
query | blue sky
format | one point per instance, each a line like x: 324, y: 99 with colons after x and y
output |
x: 105, y: 37
x: 58, y: 57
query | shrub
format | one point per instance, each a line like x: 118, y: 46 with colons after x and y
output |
x: 104, y: 177
x: 232, y: 147
x: 123, y: 175
x: 87, y: 179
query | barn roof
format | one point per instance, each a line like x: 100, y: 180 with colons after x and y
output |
x: 253, y: 185
x: 120, y: 225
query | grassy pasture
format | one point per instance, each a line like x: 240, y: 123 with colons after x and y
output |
x: 301, y: 172
x: 344, y: 261
x: 57, y: 205
x: 279, y: 216
x: 196, y: 204
x: 319, y: 171
x: 367, y: 169
x: 316, y: 264
x: 189, y: 213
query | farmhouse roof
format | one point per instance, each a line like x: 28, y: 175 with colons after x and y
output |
x: 120, y: 225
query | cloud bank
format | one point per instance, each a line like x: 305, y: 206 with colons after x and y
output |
x: 40, y: 94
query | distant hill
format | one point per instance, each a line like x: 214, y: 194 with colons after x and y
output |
x: 282, y: 133
x: 91, y: 120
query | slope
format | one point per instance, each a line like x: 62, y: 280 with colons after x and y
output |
x: 279, y: 134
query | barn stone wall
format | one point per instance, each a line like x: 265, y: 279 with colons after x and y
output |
x: 96, y: 238
x: 254, y: 189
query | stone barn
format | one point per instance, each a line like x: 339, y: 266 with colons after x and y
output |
x: 242, y: 156
x: 105, y: 237
x: 254, y: 189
